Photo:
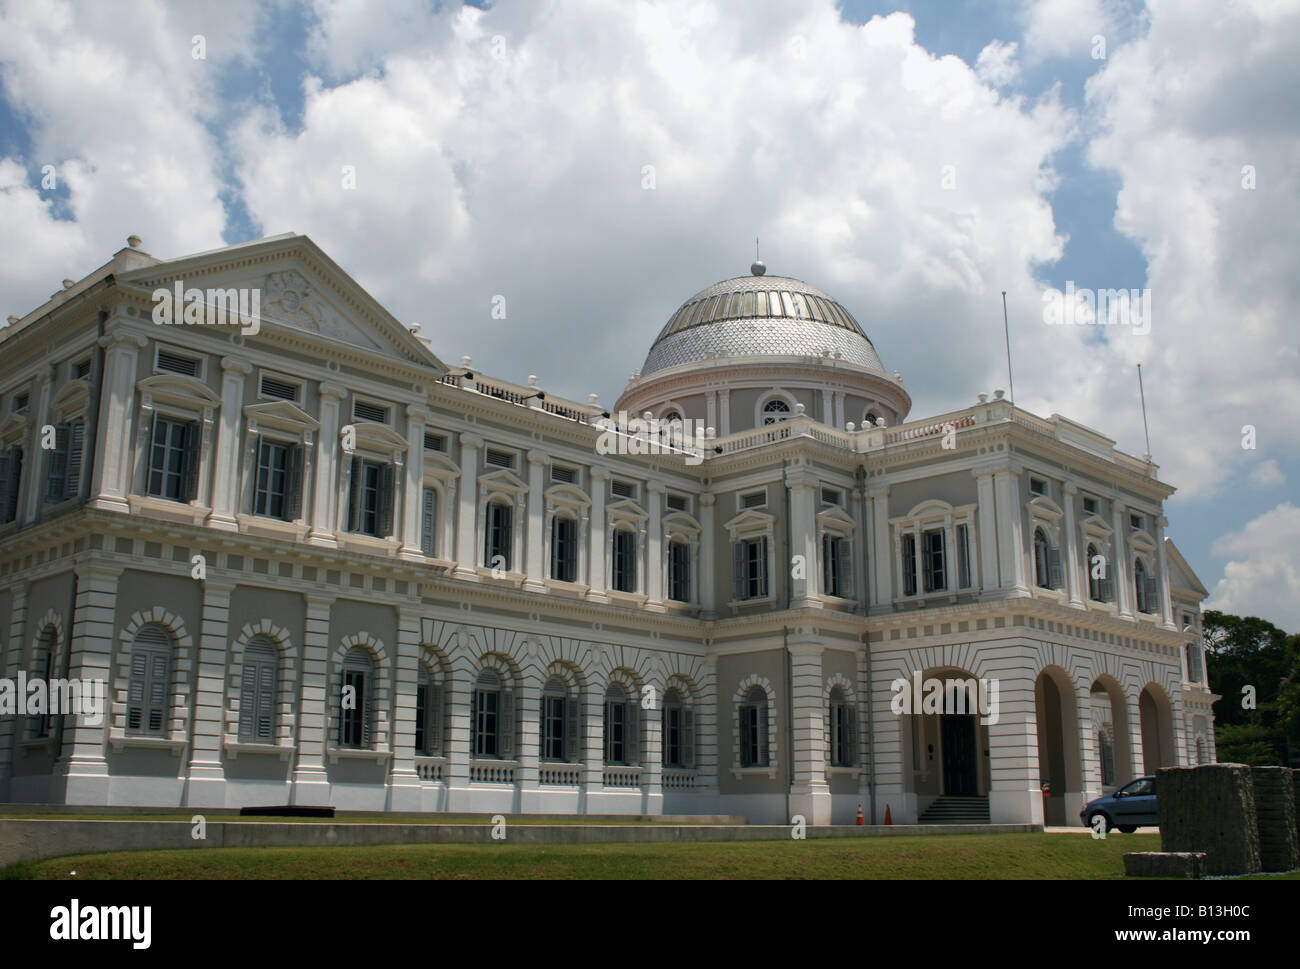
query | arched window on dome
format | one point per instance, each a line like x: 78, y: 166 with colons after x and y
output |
x: 869, y: 419
x: 671, y: 416
x: 775, y: 411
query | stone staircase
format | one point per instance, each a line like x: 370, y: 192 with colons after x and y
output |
x: 957, y: 810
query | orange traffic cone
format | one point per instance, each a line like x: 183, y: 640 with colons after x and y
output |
x: 861, y: 819
x: 888, y: 819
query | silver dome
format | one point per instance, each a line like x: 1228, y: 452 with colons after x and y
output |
x: 760, y: 315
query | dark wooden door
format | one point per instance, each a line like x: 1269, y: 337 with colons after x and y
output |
x: 959, y: 779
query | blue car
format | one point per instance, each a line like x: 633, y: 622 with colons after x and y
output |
x: 1128, y: 808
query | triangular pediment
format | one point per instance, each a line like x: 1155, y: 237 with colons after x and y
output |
x: 13, y: 429
x: 502, y: 480
x: 1180, y: 571
x: 835, y: 515
x: 282, y: 414
x: 300, y: 290
x: 179, y: 389
x: 750, y: 519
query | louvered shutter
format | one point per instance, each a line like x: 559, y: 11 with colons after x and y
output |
x: 433, y: 729
x: 5, y: 458
x: 56, y: 465
x: 354, y: 495
x: 385, y: 515
x: 474, y: 743
x: 846, y: 568
x: 688, y: 737
x: 1149, y: 593
x: 363, y: 701
x: 737, y: 570
x: 1108, y: 589
x: 428, y: 521
x: 850, y: 735
x: 762, y: 734
x: 135, y: 705
x: 248, y: 700
x: 293, y: 489
x: 632, y: 731
x: 158, y: 692
x: 572, y: 735
x: 266, y: 685
x: 507, y: 723
x: 1054, y: 568
x: 762, y: 567
x: 76, y: 448
x: 828, y: 728
x: 190, y: 469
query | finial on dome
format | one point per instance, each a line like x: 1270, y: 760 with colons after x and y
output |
x: 756, y: 267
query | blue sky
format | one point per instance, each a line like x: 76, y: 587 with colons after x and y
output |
x: 515, y: 167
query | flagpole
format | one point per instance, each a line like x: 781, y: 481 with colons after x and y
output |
x: 1145, y: 430
x: 1006, y: 332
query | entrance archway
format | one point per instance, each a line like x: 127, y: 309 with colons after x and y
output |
x: 1157, y: 729
x: 947, y: 742
x: 1059, y: 764
x: 1110, y: 720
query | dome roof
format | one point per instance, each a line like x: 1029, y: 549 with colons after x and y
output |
x: 760, y: 315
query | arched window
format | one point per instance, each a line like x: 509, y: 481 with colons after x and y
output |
x: 1141, y: 586
x: 564, y: 548
x: 1042, y: 572
x: 559, y: 722
x: 1106, y: 754
x: 1096, y: 575
x: 775, y: 411
x: 1201, y: 751
x: 494, y: 717
x: 43, y: 669
x: 428, y: 715
x: 258, y: 688
x: 671, y: 416
x: 678, y: 731
x: 620, y: 726
x: 149, y: 692
x: 843, y: 723
x: 498, y: 541
x: 624, y: 560
x: 679, y: 571
x: 753, y: 728
x: 356, y: 703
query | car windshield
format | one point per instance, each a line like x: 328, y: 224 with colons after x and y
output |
x: 1140, y: 787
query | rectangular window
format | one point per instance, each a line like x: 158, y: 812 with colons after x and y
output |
x: 281, y: 389
x: 563, y: 475
x: 1037, y: 486
x: 499, y: 536
x: 81, y: 370
x: 146, y: 710
x: 622, y: 489
x: 564, y: 549
x: 169, y: 361
x: 1136, y: 522
x: 624, y: 560
x: 485, y: 723
x: 615, y: 732
x: 963, y: 557
x: 1090, y: 506
x: 750, y: 739
x: 499, y: 459
x: 364, y: 410
x: 679, y: 572
x: 933, y: 568
x: 174, y: 459
x: 830, y: 496
x: 672, y: 729
x: 909, y: 565
x: 754, y: 499
x: 676, y: 502
x: 749, y: 568
x: 11, y: 473
x: 352, y: 722
x: 422, y: 691
x: 57, y: 465
x: 434, y: 442
x: 20, y: 403
x: 370, y: 498
x: 835, y: 566
x: 553, y: 728
x: 272, y: 485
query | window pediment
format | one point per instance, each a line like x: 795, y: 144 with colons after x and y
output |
x: 1142, y: 540
x: 502, y: 480
x: 1044, y: 507
x: 566, y: 496
x: 751, y: 522
x: 835, y: 519
x: 625, y: 510
x: 931, y: 508
x: 177, y: 389
x: 13, y: 429
x: 71, y: 398
x: 682, y: 526
x: 440, y: 466
x: 280, y: 415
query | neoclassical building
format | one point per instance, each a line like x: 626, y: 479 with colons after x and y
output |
x: 313, y: 564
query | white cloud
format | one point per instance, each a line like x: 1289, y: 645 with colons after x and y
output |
x: 1267, y: 475
x: 1066, y: 28
x: 1262, y: 576
x: 997, y: 65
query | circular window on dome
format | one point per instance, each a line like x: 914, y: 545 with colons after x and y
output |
x: 775, y: 411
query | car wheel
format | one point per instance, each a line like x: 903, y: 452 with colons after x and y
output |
x: 1110, y: 825
x: 1128, y: 828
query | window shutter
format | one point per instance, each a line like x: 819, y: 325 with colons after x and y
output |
x: 386, y: 500
x: 688, y: 737
x: 159, y: 664
x: 507, y: 745
x: 190, y: 469
x: 572, y: 733
x: 1054, y: 568
x: 293, y: 489
x: 248, y: 700
x: 846, y: 567
x: 5, y: 458
x: 763, y: 753
x: 135, y: 707
x: 632, y: 730
x: 354, y: 495
x: 850, y: 735
x: 473, y: 723
x: 737, y: 570
x: 367, y: 708
x: 828, y: 729
x: 76, y: 447
x: 762, y: 567
x: 1108, y: 589
x: 428, y: 521
x: 56, y: 463
x: 1149, y: 588
x: 433, y: 729
x: 266, y: 700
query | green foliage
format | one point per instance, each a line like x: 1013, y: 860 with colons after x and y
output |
x: 1249, y: 744
x: 1252, y: 652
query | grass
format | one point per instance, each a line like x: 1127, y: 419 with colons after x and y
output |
x: 959, y: 856
x: 213, y: 818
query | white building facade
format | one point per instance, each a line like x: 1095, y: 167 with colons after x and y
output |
x: 312, y: 564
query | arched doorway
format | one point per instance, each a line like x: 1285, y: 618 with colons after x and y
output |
x: 1157, y: 729
x: 1111, y: 728
x: 947, y: 742
x: 1059, y: 764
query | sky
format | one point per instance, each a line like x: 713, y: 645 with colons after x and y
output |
x: 596, y: 162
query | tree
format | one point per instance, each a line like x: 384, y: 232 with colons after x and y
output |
x: 1249, y: 652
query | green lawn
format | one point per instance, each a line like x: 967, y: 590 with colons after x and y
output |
x: 343, y: 819
x: 959, y: 856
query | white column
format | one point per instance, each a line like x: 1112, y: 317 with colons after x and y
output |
x: 205, y: 782
x: 1015, y: 795
x: 810, y: 795
x: 403, y: 781
x: 724, y: 412
x: 838, y: 397
x: 803, y: 537
x: 467, y: 513
x: 988, y: 532
x: 413, y: 488
x: 884, y: 549
x: 654, y: 566
x: 861, y: 545
x: 707, y: 597
x: 1166, y: 603
x: 311, y: 782
x: 535, y: 531
x: 1073, y: 577
x: 13, y: 658
x: 596, y: 556
x: 828, y: 409
x: 711, y: 409
x: 225, y: 484
x: 327, y: 450
x: 1011, y: 532
x: 1118, y: 565
x: 113, y: 455
x: 35, y: 461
